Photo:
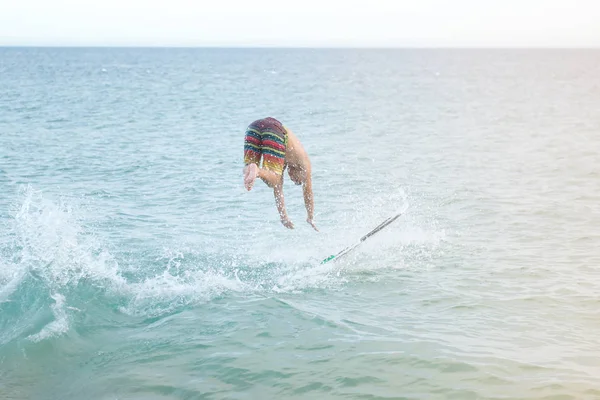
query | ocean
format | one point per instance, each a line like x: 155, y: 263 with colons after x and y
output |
x: 134, y: 264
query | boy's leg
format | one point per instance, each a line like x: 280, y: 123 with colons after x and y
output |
x: 252, y: 171
x: 264, y: 139
x: 250, y: 174
x: 269, y: 177
x: 252, y: 156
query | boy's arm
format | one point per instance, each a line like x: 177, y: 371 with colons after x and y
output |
x: 280, y: 203
x: 308, y: 200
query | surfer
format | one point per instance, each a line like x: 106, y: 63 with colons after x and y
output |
x: 279, y: 149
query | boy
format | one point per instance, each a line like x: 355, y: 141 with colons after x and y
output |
x: 279, y: 148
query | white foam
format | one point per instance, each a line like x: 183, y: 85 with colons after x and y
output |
x: 166, y: 292
x: 59, y: 325
x: 50, y: 245
x: 54, y: 246
x: 10, y: 284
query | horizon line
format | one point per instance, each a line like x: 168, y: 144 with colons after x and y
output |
x: 307, y: 47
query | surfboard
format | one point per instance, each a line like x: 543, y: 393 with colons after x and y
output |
x: 362, y: 239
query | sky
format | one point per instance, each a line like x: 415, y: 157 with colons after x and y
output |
x: 301, y: 23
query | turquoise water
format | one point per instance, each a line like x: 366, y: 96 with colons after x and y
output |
x: 134, y: 265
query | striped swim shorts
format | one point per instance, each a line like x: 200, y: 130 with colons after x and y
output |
x: 266, y: 138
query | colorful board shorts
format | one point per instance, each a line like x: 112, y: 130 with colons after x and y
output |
x: 266, y: 138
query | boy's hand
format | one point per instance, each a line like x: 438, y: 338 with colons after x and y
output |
x: 287, y: 223
x: 310, y: 221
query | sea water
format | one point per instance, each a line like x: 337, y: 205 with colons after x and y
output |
x: 134, y: 265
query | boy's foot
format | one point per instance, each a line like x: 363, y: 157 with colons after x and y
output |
x: 250, y: 174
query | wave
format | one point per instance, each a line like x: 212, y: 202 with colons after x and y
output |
x: 56, y: 272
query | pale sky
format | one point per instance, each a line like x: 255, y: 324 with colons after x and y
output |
x: 422, y: 23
